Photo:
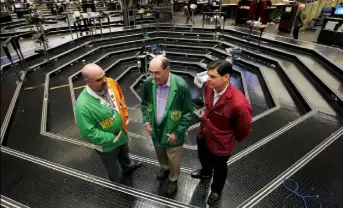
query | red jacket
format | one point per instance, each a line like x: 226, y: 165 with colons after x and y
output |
x: 228, y: 120
x: 260, y: 11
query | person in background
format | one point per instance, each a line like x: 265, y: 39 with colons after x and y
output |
x: 167, y: 111
x: 189, y: 11
x: 102, y: 119
x: 299, y: 21
x: 227, y: 119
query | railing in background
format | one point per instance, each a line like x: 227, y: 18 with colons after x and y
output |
x: 213, y: 13
x: 14, y: 41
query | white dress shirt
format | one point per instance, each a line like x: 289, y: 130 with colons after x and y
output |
x: 216, y: 95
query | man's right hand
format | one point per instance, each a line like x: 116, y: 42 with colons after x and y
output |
x: 116, y: 137
x: 148, y: 128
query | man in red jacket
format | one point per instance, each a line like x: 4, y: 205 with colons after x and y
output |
x: 227, y: 118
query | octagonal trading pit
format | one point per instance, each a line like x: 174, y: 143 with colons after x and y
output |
x: 295, y: 92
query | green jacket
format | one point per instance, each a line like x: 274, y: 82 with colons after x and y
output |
x: 178, y: 113
x: 98, y: 123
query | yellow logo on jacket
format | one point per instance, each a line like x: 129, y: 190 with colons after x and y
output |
x: 176, y: 115
x: 106, y: 123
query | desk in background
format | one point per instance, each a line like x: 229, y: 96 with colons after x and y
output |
x: 331, y: 32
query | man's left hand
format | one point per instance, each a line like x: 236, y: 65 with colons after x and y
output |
x: 171, y: 138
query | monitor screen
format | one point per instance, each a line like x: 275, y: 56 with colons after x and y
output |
x: 339, y: 10
x: 17, y: 5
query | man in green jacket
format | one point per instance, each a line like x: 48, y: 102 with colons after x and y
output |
x: 167, y: 111
x: 102, y: 118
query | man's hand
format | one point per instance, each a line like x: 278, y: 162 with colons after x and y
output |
x: 171, y: 138
x: 116, y: 137
x: 148, y: 128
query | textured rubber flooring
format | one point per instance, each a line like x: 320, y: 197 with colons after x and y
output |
x: 8, y: 85
x: 44, y: 187
x: 320, y: 180
x: 272, y: 155
x: 144, y: 147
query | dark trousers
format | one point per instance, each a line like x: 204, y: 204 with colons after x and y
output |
x: 111, y: 159
x: 210, y: 162
x: 296, y: 32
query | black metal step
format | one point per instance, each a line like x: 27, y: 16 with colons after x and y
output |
x: 258, y: 91
x: 318, y: 97
x: 326, y: 80
x: 125, y: 83
x: 329, y: 57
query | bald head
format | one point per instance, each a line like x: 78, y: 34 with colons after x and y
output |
x: 159, y: 69
x: 159, y: 62
x: 91, y: 70
x: 94, y: 77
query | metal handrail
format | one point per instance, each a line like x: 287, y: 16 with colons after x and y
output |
x: 14, y: 40
x: 68, y: 21
x: 108, y: 20
x: 203, y: 19
x: 92, y: 24
x: 78, y: 22
x: 157, y: 22
x: 98, y: 18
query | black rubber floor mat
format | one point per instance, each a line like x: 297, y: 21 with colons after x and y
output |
x: 144, y: 147
x: 38, y: 186
x: 8, y: 86
x: 317, y: 184
x: 264, y: 164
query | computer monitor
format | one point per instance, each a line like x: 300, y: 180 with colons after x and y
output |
x: 339, y: 11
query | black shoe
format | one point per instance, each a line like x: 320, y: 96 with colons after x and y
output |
x: 213, y: 198
x: 198, y: 174
x: 171, y: 187
x: 162, y: 174
x: 137, y: 164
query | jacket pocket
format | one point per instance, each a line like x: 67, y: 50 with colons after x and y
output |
x: 220, y: 121
x: 175, y: 115
x: 173, y: 120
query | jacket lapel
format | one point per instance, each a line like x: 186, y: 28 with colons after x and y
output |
x: 154, y: 96
x: 222, y: 100
x: 209, y: 98
x: 171, y: 95
x: 172, y: 92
